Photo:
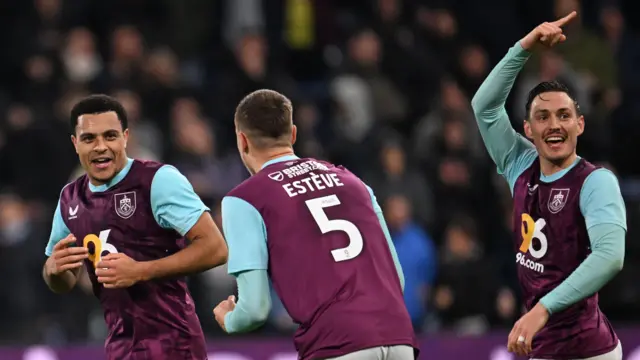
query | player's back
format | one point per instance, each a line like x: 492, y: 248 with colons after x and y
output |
x: 329, y: 260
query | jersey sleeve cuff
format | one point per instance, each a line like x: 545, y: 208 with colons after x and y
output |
x: 548, y: 304
x: 234, y: 270
x: 520, y: 51
x: 192, y: 221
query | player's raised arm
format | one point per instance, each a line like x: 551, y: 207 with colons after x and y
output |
x: 175, y: 205
x: 245, y: 232
x: 604, y: 212
x: 61, y: 269
x: 511, y: 152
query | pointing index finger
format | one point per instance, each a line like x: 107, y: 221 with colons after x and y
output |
x: 565, y: 20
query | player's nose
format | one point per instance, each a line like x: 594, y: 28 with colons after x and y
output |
x: 101, y: 145
x: 554, y: 124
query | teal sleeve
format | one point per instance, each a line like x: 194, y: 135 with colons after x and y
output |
x: 174, y: 203
x: 604, y: 212
x: 254, y: 302
x: 604, y: 262
x: 601, y: 200
x: 59, y: 231
x: 511, y: 152
x: 246, y: 236
x: 385, y: 229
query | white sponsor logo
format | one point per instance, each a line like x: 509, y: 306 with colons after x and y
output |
x: 531, y: 230
x: 73, y: 212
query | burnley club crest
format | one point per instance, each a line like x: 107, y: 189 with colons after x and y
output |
x: 557, y: 200
x: 125, y: 204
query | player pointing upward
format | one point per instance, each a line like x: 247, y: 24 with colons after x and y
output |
x: 317, y: 231
x: 569, y: 217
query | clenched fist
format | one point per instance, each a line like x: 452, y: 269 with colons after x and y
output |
x: 547, y: 34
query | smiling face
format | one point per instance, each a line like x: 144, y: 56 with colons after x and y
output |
x: 100, y: 143
x: 554, y: 125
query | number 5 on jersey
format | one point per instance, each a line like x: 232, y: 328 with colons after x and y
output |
x: 316, y: 207
x: 98, y: 245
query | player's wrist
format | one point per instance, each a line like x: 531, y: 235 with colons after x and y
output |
x: 528, y: 42
x: 51, y: 269
x: 541, y: 309
x: 145, y: 270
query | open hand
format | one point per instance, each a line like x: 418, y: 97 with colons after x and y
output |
x: 117, y: 270
x: 521, y: 336
x: 547, y: 34
x: 65, y: 256
x: 225, y: 306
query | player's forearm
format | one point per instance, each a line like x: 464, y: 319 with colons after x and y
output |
x: 604, y: 262
x: 254, y: 302
x: 488, y: 103
x: 494, y: 91
x: 62, y: 283
x: 200, y: 255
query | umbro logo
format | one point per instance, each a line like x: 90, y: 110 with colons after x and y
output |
x: 532, y: 189
x: 73, y: 212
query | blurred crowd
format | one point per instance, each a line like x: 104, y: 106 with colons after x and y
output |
x: 382, y: 87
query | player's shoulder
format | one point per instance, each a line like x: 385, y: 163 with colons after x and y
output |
x: 276, y: 174
x: 158, y: 173
x: 600, y: 177
x: 150, y: 165
x: 74, y: 186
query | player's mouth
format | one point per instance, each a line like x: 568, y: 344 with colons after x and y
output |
x: 555, y: 141
x: 102, y: 162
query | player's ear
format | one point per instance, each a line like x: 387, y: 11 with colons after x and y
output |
x: 125, y: 135
x: 527, y: 129
x: 74, y: 140
x: 294, y: 134
x: 243, y: 142
x: 580, y: 125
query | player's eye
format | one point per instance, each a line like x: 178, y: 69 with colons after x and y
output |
x: 88, y: 139
x: 111, y: 136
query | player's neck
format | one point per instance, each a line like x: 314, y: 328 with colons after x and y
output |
x: 549, y: 168
x: 273, y: 154
x: 119, y: 168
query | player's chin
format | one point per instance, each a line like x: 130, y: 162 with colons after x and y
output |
x: 557, y: 151
x: 556, y: 156
x: 102, y: 173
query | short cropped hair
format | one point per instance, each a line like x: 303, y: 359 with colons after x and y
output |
x: 550, y: 86
x: 265, y: 116
x: 97, y: 104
